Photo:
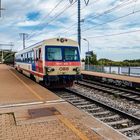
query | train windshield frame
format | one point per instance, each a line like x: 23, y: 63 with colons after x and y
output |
x: 62, y: 53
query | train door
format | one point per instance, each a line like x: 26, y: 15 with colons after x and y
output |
x: 39, y: 62
x: 33, y: 60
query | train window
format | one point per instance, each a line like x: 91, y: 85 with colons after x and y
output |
x: 54, y: 53
x: 29, y: 57
x: 39, y: 53
x: 32, y: 56
x: 71, y: 54
x: 24, y: 57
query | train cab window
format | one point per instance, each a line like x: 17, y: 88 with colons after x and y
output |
x: 54, y: 53
x: 71, y: 54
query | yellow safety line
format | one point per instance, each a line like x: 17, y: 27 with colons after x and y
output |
x: 72, y: 127
x: 30, y: 89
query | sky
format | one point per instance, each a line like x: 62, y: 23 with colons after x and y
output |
x: 112, y: 27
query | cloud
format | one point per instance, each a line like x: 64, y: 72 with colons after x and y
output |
x: 27, y: 23
x: 34, y: 17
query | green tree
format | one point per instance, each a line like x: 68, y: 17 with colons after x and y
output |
x: 92, y: 59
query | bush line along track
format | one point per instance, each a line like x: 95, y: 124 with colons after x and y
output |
x: 125, y: 123
x: 123, y: 93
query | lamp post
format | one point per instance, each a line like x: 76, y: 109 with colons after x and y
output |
x: 88, y: 50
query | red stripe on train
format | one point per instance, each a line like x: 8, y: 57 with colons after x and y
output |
x: 62, y: 63
x: 34, y: 73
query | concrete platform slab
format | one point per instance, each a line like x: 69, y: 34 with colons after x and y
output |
x: 18, y: 94
x: 72, y: 121
x: 16, y: 88
x: 112, y: 76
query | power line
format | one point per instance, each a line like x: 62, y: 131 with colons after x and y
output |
x: 116, y: 34
x: 129, y: 14
x: 84, y: 7
x: 41, y: 21
x: 112, y: 9
x: 55, y: 17
x: 105, y: 12
x: 67, y: 29
x: 135, y: 5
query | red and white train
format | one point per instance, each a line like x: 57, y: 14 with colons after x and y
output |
x: 56, y: 62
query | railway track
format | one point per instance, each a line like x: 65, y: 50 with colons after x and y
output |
x: 125, y: 123
x: 117, y: 91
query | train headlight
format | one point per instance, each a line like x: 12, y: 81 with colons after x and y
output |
x: 77, y: 69
x: 49, y: 69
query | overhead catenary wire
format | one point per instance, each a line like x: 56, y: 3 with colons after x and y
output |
x: 111, y: 9
x: 51, y: 11
x: 115, y: 34
x: 67, y: 29
x: 101, y: 14
x: 112, y: 20
x: 54, y: 18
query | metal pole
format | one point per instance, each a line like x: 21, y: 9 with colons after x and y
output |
x: 23, y: 40
x: 88, y: 56
x: 79, y: 24
x: 23, y: 35
x: 0, y: 8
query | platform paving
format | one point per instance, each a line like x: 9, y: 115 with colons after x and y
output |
x: 19, y: 95
x: 16, y: 88
x: 113, y: 76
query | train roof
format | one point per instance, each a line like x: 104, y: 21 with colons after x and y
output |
x: 52, y: 41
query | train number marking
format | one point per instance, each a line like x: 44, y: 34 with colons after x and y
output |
x: 64, y: 68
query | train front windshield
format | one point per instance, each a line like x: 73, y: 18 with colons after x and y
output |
x: 62, y: 54
x: 54, y: 54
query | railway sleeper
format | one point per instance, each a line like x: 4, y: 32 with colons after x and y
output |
x: 101, y: 113
x: 129, y: 128
x: 79, y: 103
x: 133, y: 96
x: 87, y: 106
x: 135, y: 137
x: 110, y: 117
x: 93, y: 109
x: 123, y: 122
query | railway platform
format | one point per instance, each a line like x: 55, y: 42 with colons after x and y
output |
x: 112, y: 78
x: 29, y: 111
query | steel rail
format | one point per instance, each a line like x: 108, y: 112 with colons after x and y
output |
x: 100, y: 87
x: 124, y: 114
